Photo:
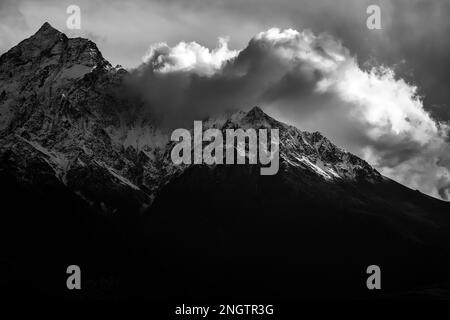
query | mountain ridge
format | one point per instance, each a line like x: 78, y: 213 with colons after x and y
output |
x: 87, y: 133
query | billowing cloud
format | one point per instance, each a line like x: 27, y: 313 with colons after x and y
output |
x: 313, y: 82
x: 189, y: 57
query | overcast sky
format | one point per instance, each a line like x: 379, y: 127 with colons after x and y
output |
x: 314, y: 80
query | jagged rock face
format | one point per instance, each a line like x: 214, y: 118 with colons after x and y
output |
x: 303, y: 150
x: 37, y: 75
x: 59, y: 112
x: 37, y: 70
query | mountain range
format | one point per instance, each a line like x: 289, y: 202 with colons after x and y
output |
x: 86, y: 178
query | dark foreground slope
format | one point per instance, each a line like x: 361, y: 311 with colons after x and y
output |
x: 229, y: 231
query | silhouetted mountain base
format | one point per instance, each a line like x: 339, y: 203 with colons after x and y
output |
x: 204, y: 238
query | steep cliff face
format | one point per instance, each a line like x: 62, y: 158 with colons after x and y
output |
x: 60, y: 117
x: 42, y: 68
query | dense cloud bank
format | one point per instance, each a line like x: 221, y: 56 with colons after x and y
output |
x: 311, y: 81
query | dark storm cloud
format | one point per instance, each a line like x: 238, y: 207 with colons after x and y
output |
x: 257, y: 75
x: 414, y: 35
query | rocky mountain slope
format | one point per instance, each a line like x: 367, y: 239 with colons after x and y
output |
x: 60, y: 118
x: 86, y: 176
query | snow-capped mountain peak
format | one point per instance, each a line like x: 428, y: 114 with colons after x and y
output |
x: 302, y: 149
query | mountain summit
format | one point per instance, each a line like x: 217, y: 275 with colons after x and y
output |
x: 46, y: 33
x: 48, y: 59
x: 78, y: 169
